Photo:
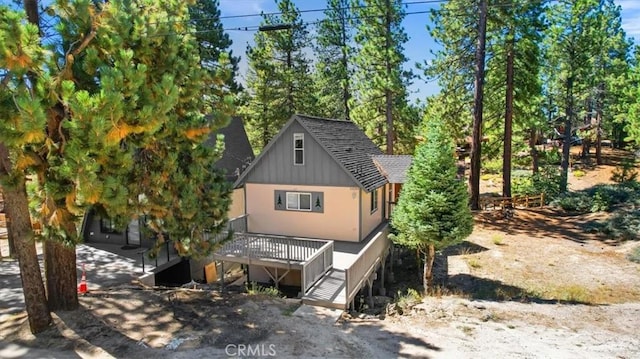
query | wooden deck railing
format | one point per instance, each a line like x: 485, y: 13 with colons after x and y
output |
x: 515, y: 201
x: 236, y: 225
x: 367, y: 262
x: 262, y: 246
x: 316, y: 266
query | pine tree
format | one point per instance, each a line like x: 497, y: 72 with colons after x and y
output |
x: 380, y: 83
x: 513, y: 90
x: 19, y: 43
x: 432, y: 211
x: 115, y: 122
x: 279, y: 82
x: 609, y: 80
x: 333, y: 67
x: 212, y: 40
x: 569, y: 45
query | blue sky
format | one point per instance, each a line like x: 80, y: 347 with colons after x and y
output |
x: 417, y: 49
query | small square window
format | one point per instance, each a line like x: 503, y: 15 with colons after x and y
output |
x: 298, y: 148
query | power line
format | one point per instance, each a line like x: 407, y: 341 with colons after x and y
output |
x: 252, y: 28
x: 261, y: 14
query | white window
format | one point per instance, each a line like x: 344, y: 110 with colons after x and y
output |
x: 298, y: 148
x: 298, y: 201
x: 374, y: 200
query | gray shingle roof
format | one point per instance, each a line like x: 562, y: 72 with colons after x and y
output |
x: 349, y: 146
x: 394, y: 167
x: 238, y: 153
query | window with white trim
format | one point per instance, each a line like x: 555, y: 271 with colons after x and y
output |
x: 298, y: 148
x: 297, y: 201
x: 374, y: 200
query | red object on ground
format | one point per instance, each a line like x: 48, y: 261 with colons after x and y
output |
x: 82, y: 288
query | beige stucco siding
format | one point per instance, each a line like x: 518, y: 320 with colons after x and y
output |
x: 339, y: 221
x: 370, y: 220
x: 237, y: 205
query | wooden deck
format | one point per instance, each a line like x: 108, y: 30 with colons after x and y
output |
x: 331, y: 290
x: 274, y: 251
x: 340, y: 277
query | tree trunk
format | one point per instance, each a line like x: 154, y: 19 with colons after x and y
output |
x: 476, y: 151
x: 535, y: 157
x: 62, y: 278
x: 508, y: 122
x: 599, y: 138
x: 427, y: 276
x: 10, y: 239
x: 566, y: 145
x: 19, y: 221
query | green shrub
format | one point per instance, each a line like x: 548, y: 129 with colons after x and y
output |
x: 626, y: 172
x: 403, y: 302
x: 255, y: 289
x: 493, y: 166
x: 634, y: 255
x: 579, y: 173
x: 623, y: 225
x: 546, y: 181
x: 599, y: 198
x: 601, y: 202
x: 574, y: 202
x: 614, y: 194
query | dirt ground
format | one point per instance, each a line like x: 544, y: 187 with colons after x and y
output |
x: 531, y: 286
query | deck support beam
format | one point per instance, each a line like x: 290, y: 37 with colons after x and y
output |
x: 276, y: 279
x: 370, y: 289
x: 383, y: 291
x: 391, y: 264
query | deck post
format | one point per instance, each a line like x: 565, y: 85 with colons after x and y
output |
x: 221, y: 276
x: 383, y: 291
x: 391, y: 259
x: 370, y: 291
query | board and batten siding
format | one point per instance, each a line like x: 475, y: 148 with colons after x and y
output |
x: 319, y: 168
x: 338, y: 221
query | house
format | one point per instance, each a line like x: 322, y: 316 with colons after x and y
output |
x: 395, y: 169
x: 100, y: 232
x: 316, y: 212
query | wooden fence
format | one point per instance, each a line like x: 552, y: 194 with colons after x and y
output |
x: 515, y: 201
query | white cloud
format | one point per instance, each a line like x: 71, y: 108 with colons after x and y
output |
x: 630, y: 17
x: 629, y: 5
x: 241, y: 7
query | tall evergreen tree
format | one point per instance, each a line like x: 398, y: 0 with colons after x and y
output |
x: 513, y: 88
x: 380, y: 82
x: 115, y: 121
x: 432, y: 211
x: 609, y: 79
x: 279, y: 82
x: 569, y: 48
x: 452, y: 65
x: 19, y: 42
x: 632, y: 123
x: 212, y: 40
x: 333, y: 66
